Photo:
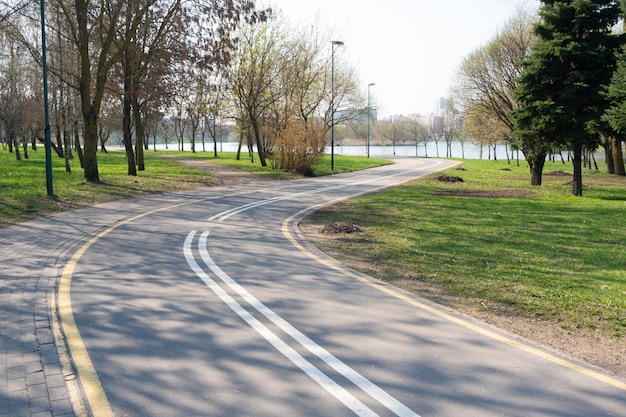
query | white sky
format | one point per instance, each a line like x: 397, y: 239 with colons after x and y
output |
x: 409, y: 48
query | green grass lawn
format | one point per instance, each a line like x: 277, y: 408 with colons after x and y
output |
x: 23, y: 193
x: 495, y: 240
x: 23, y: 183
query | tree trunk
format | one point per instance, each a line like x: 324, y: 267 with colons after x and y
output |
x: 213, y: 133
x: 239, y: 145
x: 260, y: 149
x: 59, y: 145
x: 608, y: 155
x: 536, y: 164
x: 67, y: 149
x: 128, y: 136
x: 194, y: 128
x: 577, y: 183
x: 617, y: 157
x: 15, y: 145
x: 139, y: 133
x: 93, y: 150
x: 103, y: 141
x: 127, y: 105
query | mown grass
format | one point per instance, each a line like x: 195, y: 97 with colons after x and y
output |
x: 343, y: 163
x: 23, y: 193
x: 498, y: 242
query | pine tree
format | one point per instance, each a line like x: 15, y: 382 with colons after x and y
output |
x: 560, y: 88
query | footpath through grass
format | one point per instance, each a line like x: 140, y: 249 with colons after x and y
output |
x: 23, y: 183
x: 498, y: 242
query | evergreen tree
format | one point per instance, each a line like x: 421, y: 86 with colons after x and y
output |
x: 615, y: 115
x: 559, y: 91
x: 616, y: 92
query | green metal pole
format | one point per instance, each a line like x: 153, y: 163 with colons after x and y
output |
x: 369, y: 111
x: 332, y: 108
x: 47, y: 143
x: 332, y: 103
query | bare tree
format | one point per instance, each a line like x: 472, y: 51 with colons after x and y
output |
x: 255, y: 69
x: 14, y: 64
x: 485, y: 128
x: 452, y: 122
x: 393, y: 131
x: 215, y: 110
x: 103, y: 31
x: 487, y: 78
x: 417, y: 133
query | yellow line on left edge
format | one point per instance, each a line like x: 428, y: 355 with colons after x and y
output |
x: 94, y: 393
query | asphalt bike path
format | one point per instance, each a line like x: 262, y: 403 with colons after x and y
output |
x: 210, y: 304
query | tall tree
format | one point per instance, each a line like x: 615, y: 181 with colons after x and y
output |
x: 95, y: 27
x: 16, y: 87
x: 452, y: 121
x: 102, y: 31
x: 216, y: 100
x: 487, y: 129
x: 393, y: 131
x: 417, y: 133
x: 256, y: 68
x: 615, y: 115
x: 559, y: 91
x: 486, y: 84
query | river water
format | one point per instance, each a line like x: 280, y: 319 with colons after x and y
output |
x: 431, y: 149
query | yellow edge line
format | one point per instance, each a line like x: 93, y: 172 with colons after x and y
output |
x: 394, y: 293
x: 94, y: 393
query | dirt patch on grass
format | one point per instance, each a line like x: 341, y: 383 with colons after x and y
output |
x: 337, y: 228
x: 449, y: 178
x: 584, y: 344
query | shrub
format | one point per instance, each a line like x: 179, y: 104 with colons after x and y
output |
x: 298, y: 147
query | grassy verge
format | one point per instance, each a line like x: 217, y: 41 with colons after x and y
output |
x: 23, y: 183
x: 342, y: 164
x: 497, y: 242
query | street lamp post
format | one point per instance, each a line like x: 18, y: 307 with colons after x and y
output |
x: 332, y: 104
x: 47, y: 143
x: 369, y: 111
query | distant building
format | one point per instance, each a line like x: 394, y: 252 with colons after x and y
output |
x: 442, y: 105
x: 361, y: 115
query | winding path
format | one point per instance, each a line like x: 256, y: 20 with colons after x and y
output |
x: 209, y: 303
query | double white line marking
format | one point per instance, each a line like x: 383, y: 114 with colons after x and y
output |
x: 317, y: 375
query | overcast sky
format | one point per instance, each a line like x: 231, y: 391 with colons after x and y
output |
x: 409, y: 48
